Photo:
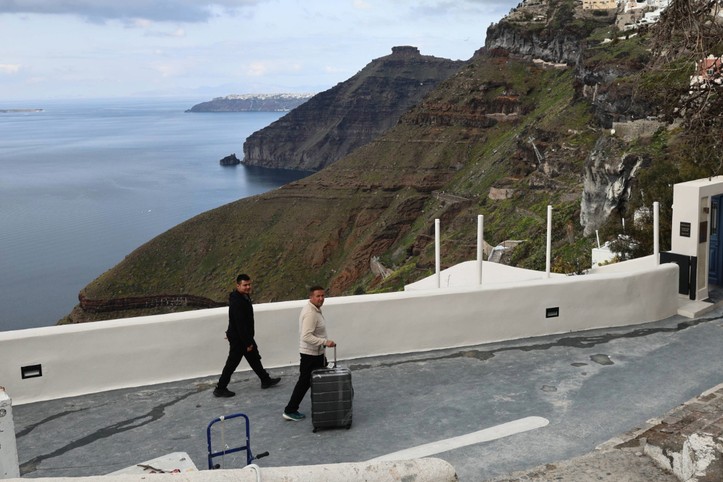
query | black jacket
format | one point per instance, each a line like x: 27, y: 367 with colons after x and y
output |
x: 240, y: 319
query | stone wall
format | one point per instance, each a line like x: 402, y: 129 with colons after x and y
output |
x: 145, y: 302
x: 629, y: 131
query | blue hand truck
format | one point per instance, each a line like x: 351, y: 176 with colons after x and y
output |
x: 229, y: 450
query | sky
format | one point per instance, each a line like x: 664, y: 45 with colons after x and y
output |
x: 67, y: 49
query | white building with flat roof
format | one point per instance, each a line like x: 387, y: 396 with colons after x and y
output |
x: 599, y: 4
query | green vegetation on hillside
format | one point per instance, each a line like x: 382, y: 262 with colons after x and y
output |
x: 504, y: 137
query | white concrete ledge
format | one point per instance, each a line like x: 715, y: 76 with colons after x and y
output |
x: 61, y: 361
x: 419, y: 470
x: 8, y: 446
x: 693, y: 309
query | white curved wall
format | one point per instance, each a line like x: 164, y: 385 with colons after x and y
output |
x: 105, y: 355
x: 419, y: 470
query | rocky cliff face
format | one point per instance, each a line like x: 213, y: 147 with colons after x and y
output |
x: 607, y: 182
x: 560, y: 48
x: 335, y: 122
x: 551, y: 32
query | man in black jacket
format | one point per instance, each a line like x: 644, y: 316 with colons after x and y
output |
x: 240, y: 335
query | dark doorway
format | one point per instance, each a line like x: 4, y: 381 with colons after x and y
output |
x: 715, y: 253
x: 687, y: 271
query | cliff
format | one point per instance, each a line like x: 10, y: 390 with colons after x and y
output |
x: 505, y: 136
x: 252, y: 103
x: 335, y: 122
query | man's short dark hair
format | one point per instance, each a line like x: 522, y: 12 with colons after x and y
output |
x: 242, y: 277
x: 316, y: 288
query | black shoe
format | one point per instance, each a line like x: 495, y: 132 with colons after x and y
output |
x: 223, y: 392
x: 270, y: 382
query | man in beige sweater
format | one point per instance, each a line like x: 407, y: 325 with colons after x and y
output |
x: 312, y: 348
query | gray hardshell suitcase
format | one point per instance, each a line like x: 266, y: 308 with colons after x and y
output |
x: 331, y: 397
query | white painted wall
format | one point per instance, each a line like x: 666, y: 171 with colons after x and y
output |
x: 602, y: 255
x: 691, y: 204
x: 465, y: 275
x: 428, y: 469
x: 105, y: 355
x: 630, y: 266
x: 9, y: 467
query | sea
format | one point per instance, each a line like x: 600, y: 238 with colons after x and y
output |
x: 85, y: 182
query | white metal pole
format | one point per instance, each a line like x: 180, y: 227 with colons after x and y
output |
x: 480, y: 246
x: 437, y: 257
x: 549, y: 240
x: 656, y: 231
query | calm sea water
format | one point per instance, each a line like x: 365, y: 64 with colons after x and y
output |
x: 84, y: 183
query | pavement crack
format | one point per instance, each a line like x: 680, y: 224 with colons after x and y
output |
x: 154, y: 414
x: 32, y: 427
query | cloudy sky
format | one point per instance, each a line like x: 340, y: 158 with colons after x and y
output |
x: 117, y: 48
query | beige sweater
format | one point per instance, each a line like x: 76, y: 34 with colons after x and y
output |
x: 312, y: 330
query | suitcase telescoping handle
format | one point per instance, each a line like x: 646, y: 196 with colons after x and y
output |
x: 334, y: 357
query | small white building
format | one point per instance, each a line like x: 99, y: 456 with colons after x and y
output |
x: 630, y: 5
x: 696, y: 239
x: 709, y: 71
x: 599, y: 4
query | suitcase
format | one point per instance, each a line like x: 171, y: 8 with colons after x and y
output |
x: 331, y: 397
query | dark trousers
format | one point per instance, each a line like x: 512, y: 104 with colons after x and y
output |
x: 308, y: 364
x: 236, y: 352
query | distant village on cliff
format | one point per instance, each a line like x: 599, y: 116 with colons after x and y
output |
x: 252, y: 103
